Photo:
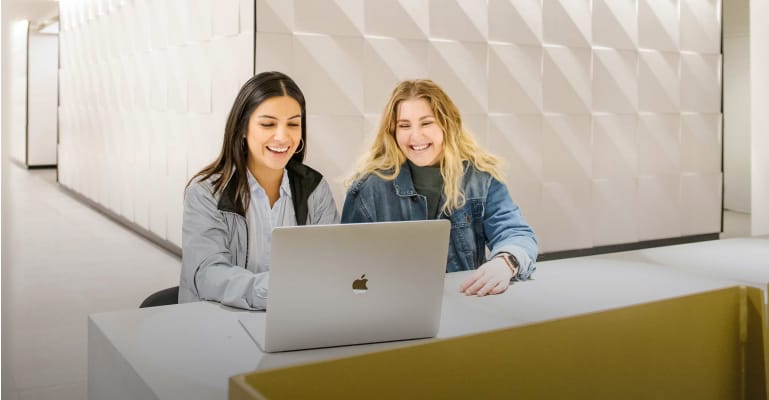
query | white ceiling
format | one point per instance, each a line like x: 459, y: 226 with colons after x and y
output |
x: 32, y: 10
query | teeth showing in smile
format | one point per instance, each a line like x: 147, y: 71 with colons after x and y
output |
x: 420, y: 148
x: 277, y: 149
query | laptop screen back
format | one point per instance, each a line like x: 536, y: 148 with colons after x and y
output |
x: 334, y: 285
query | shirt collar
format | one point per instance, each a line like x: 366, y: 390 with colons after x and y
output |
x: 257, y: 189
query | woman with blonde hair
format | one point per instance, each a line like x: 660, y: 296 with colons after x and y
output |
x: 423, y: 164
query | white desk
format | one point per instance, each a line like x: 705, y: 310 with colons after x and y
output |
x: 189, y: 351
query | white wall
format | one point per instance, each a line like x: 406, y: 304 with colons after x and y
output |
x: 145, y: 88
x: 759, y: 98
x: 17, y: 102
x: 736, y: 34
x: 608, y: 111
x: 42, y: 95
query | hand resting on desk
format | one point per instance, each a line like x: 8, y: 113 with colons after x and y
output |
x: 493, y: 277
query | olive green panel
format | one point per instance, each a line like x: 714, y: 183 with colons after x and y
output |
x: 687, y: 347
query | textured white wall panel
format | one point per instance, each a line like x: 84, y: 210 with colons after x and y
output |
x: 528, y: 197
x: 328, y: 68
x: 701, y: 83
x: 200, y: 25
x: 334, y: 155
x: 275, y: 52
x: 478, y: 126
x: 658, y: 25
x: 566, y: 148
x: 462, y: 20
x: 583, y: 99
x: 460, y: 67
x: 388, y: 61
x: 144, y: 87
x: 519, y: 139
x: 614, y: 211
x: 332, y: 17
x: 517, y: 77
x: 659, y: 149
x: 701, y: 193
x: 224, y: 17
x: 567, y: 220
x: 700, y: 26
x: 701, y: 143
x: 567, y: 22
x: 274, y: 16
x: 615, y: 146
x: 596, y: 105
x: 658, y: 81
x: 402, y: 19
x: 659, y: 206
x: 566, y: 80
x: 516, y: 21
x: 615, y: 24
x: 615, y: 81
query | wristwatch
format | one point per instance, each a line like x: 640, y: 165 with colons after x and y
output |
x: 511, y: 262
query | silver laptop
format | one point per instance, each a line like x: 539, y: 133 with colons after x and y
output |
x: 335, y: 285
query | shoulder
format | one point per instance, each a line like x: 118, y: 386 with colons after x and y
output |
x: 477, y: 179
x: 322, y: 189
x: 369, y: 183
x: 304, y: 175
x: 303, y: 171
x: 477, y: 183
x: 200, y: 187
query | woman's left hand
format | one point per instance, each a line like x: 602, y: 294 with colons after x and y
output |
x: 493, y: 277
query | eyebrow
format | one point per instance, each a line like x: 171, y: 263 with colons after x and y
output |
x: 271, y: 117
x: 425, y: 117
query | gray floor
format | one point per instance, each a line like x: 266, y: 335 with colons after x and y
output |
x: 61, y: 261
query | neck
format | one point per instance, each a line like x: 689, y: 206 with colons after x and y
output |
x: 269, y: 179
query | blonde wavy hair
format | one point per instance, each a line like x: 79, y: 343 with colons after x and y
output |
x: 458, y: 144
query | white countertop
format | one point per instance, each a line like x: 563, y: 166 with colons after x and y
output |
x: 189, y: 351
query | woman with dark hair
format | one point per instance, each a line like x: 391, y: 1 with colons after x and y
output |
x: 258, y: 182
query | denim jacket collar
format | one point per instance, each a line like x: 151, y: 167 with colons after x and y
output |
x: 404, y: 183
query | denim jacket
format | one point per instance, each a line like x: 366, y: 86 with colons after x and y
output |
x: 489, y: 217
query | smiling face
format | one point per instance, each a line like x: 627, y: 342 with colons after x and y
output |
x: 418, y: 135
x: 274, y: 133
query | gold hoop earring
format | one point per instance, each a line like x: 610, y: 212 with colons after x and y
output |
x: 301, y: 147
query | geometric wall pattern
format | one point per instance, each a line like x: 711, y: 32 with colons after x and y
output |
x: 145, y: 88
x: 607, y: 112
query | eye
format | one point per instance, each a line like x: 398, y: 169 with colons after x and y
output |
x: 404, y: 126
x: 294, y: 125
x: 267, y: 124
x: 427, y: 123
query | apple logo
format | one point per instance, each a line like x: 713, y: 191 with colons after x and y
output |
x: 359, y: 285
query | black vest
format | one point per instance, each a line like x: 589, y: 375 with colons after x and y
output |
x: 302, y: 179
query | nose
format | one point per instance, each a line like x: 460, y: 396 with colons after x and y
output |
x: 281, y: 132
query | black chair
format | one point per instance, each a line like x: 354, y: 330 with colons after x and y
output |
x: 163, y: 297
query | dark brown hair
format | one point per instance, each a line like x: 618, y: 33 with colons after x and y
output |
x: 234, y: 154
